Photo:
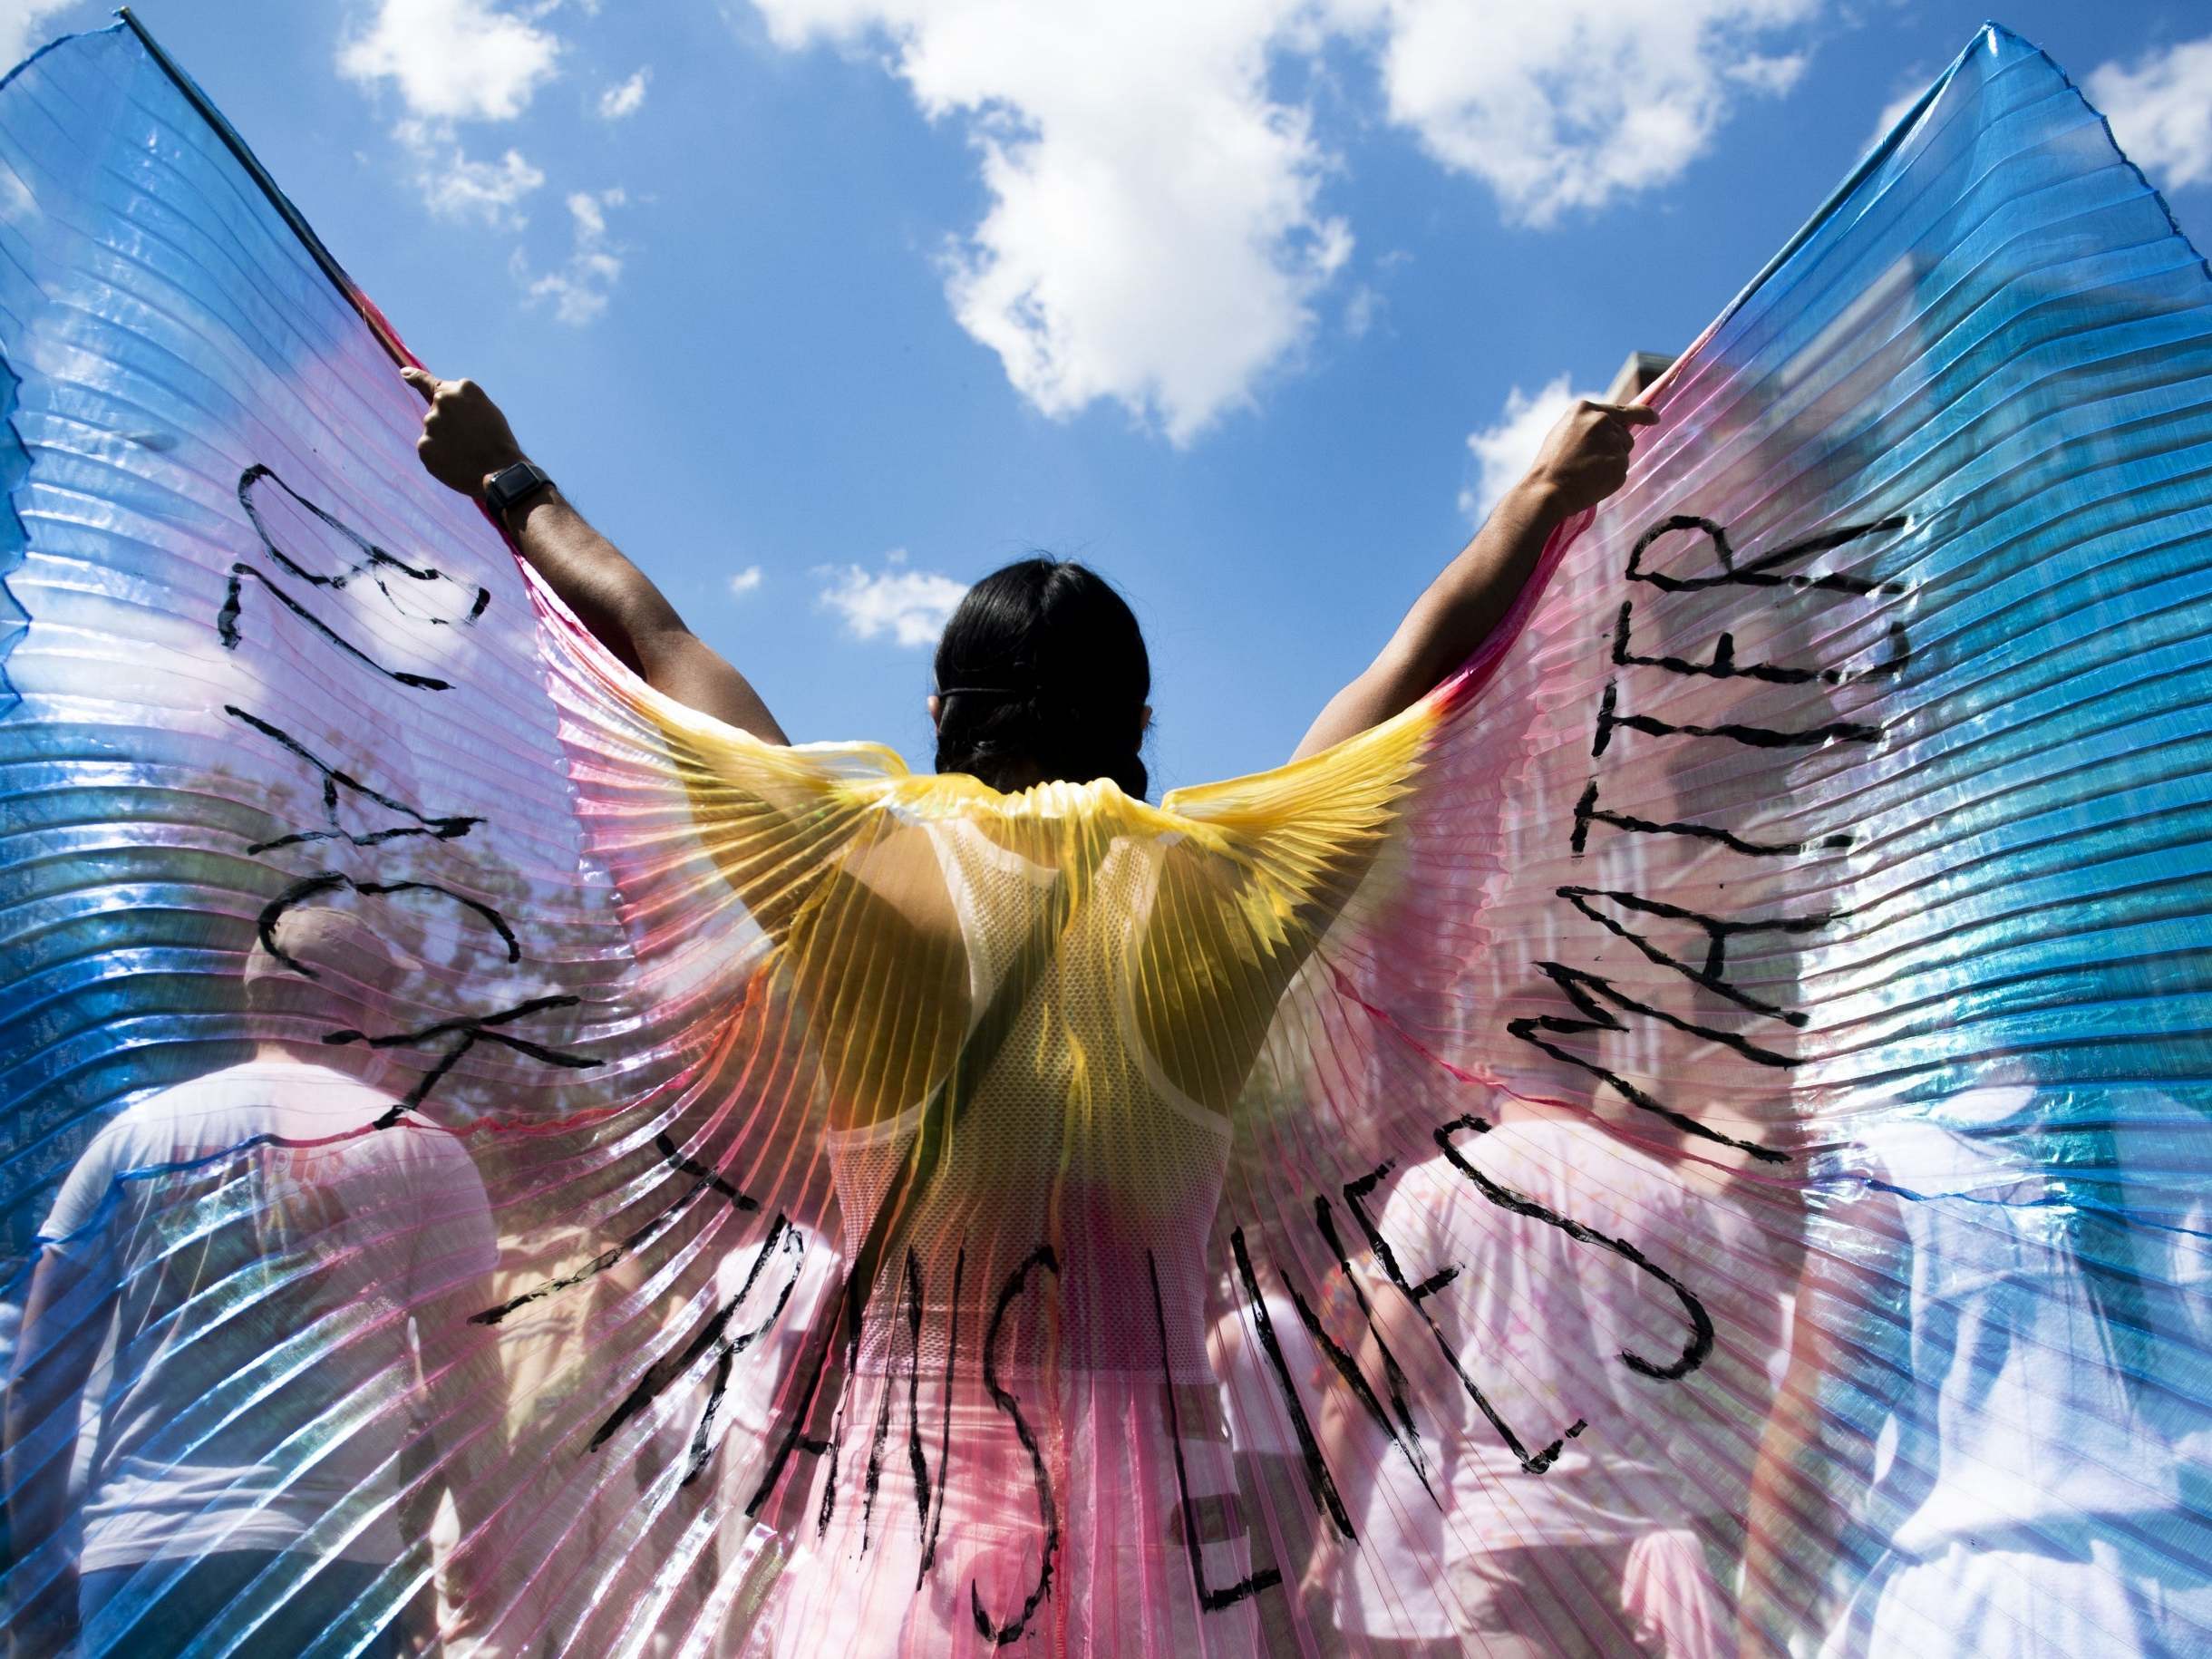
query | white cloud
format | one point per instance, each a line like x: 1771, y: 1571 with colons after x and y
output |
x: 1154, y: 236
x: 23, y: 27
x: 620, y: 103
x: 452, y: 60
x: 454, y: 187
x: 1361, y: 311
x: 1504, y: 449
x: 1571, y: 104
x: 2161, y: 111
x: 585, y: 282
x: 456, y: 61
x: 746, y: 581
x: 910, y: 606
x: 1771, y: 75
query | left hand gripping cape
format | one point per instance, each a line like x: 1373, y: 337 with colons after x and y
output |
x: 1696, y: 1124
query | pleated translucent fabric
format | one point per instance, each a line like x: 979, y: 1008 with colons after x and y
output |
x: 1693, y: 1135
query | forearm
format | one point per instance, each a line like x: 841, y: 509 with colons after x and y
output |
x: 1338, y: 1436
x: 610, y: 594
x: 466, y: 443
x: 1471, y: 597
x: 37, y: 1484
x: 64, y: 1322
x: 1585, y: 459
x: 1333, y: 1435
x: 464, y: 1406
x: 1774, y: 1576
x: 1794, y: 1522
x: 1816, y: 1458
x: 1456, y: 614
x: 631, y: 616
x: 38, y: 1437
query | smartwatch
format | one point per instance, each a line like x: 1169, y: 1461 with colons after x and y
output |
x: 510, y: 485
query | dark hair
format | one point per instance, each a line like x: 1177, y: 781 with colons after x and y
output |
x: 1043, y: 668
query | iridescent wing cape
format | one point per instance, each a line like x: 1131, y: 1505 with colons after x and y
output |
x: 1699, y: 1124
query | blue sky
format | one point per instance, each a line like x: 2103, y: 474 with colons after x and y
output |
x: 822, y: 309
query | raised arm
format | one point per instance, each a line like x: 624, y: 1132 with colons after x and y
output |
x: 1583, y: 460
x: 1816, y: 1458
x: 1352, y: 1449
x: 465, y: 440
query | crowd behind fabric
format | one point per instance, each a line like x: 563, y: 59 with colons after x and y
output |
x: 1998, y: 1464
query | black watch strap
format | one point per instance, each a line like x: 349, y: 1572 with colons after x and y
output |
x: 509, y: 485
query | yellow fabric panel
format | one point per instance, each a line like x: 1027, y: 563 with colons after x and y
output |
x: 834, y: 850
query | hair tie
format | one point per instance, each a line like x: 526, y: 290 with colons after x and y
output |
x: 978, y: 691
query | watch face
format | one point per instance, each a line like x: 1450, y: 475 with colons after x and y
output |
x: 510, y: 484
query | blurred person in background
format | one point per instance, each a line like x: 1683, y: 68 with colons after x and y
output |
x: 264, y: 1274
x: 1977, y: 1434
x: 1596, y: 1552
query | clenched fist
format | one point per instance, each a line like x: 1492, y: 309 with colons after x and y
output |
x: 1584, y: 457
x: 465, y: 437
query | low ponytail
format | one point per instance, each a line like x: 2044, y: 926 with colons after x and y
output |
x: 1041, y: 676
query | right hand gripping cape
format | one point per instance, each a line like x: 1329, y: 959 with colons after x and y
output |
x: 1693, y: 1135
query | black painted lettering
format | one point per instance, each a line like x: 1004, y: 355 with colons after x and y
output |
x: 1355, y: 1193
x: 945, y: 1432
x: 792, y: 1437
x: 1587, y: 813
x: 1319, y: 1483
x: 911, y: 1303
x: 992, y: 1631
x: 1699, y: 1343
x: 1591, y: 992
x: 633, y: 1244
x: 1724, y: 664
x: 1251, y: 1583
x: 1712, y: 973
x: 794, y: 1245
x: 335, y: 782
x: 1765, y: 571
x: 465, y: 1030
x: 1755, y: 737
x: 1539, y: 1031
